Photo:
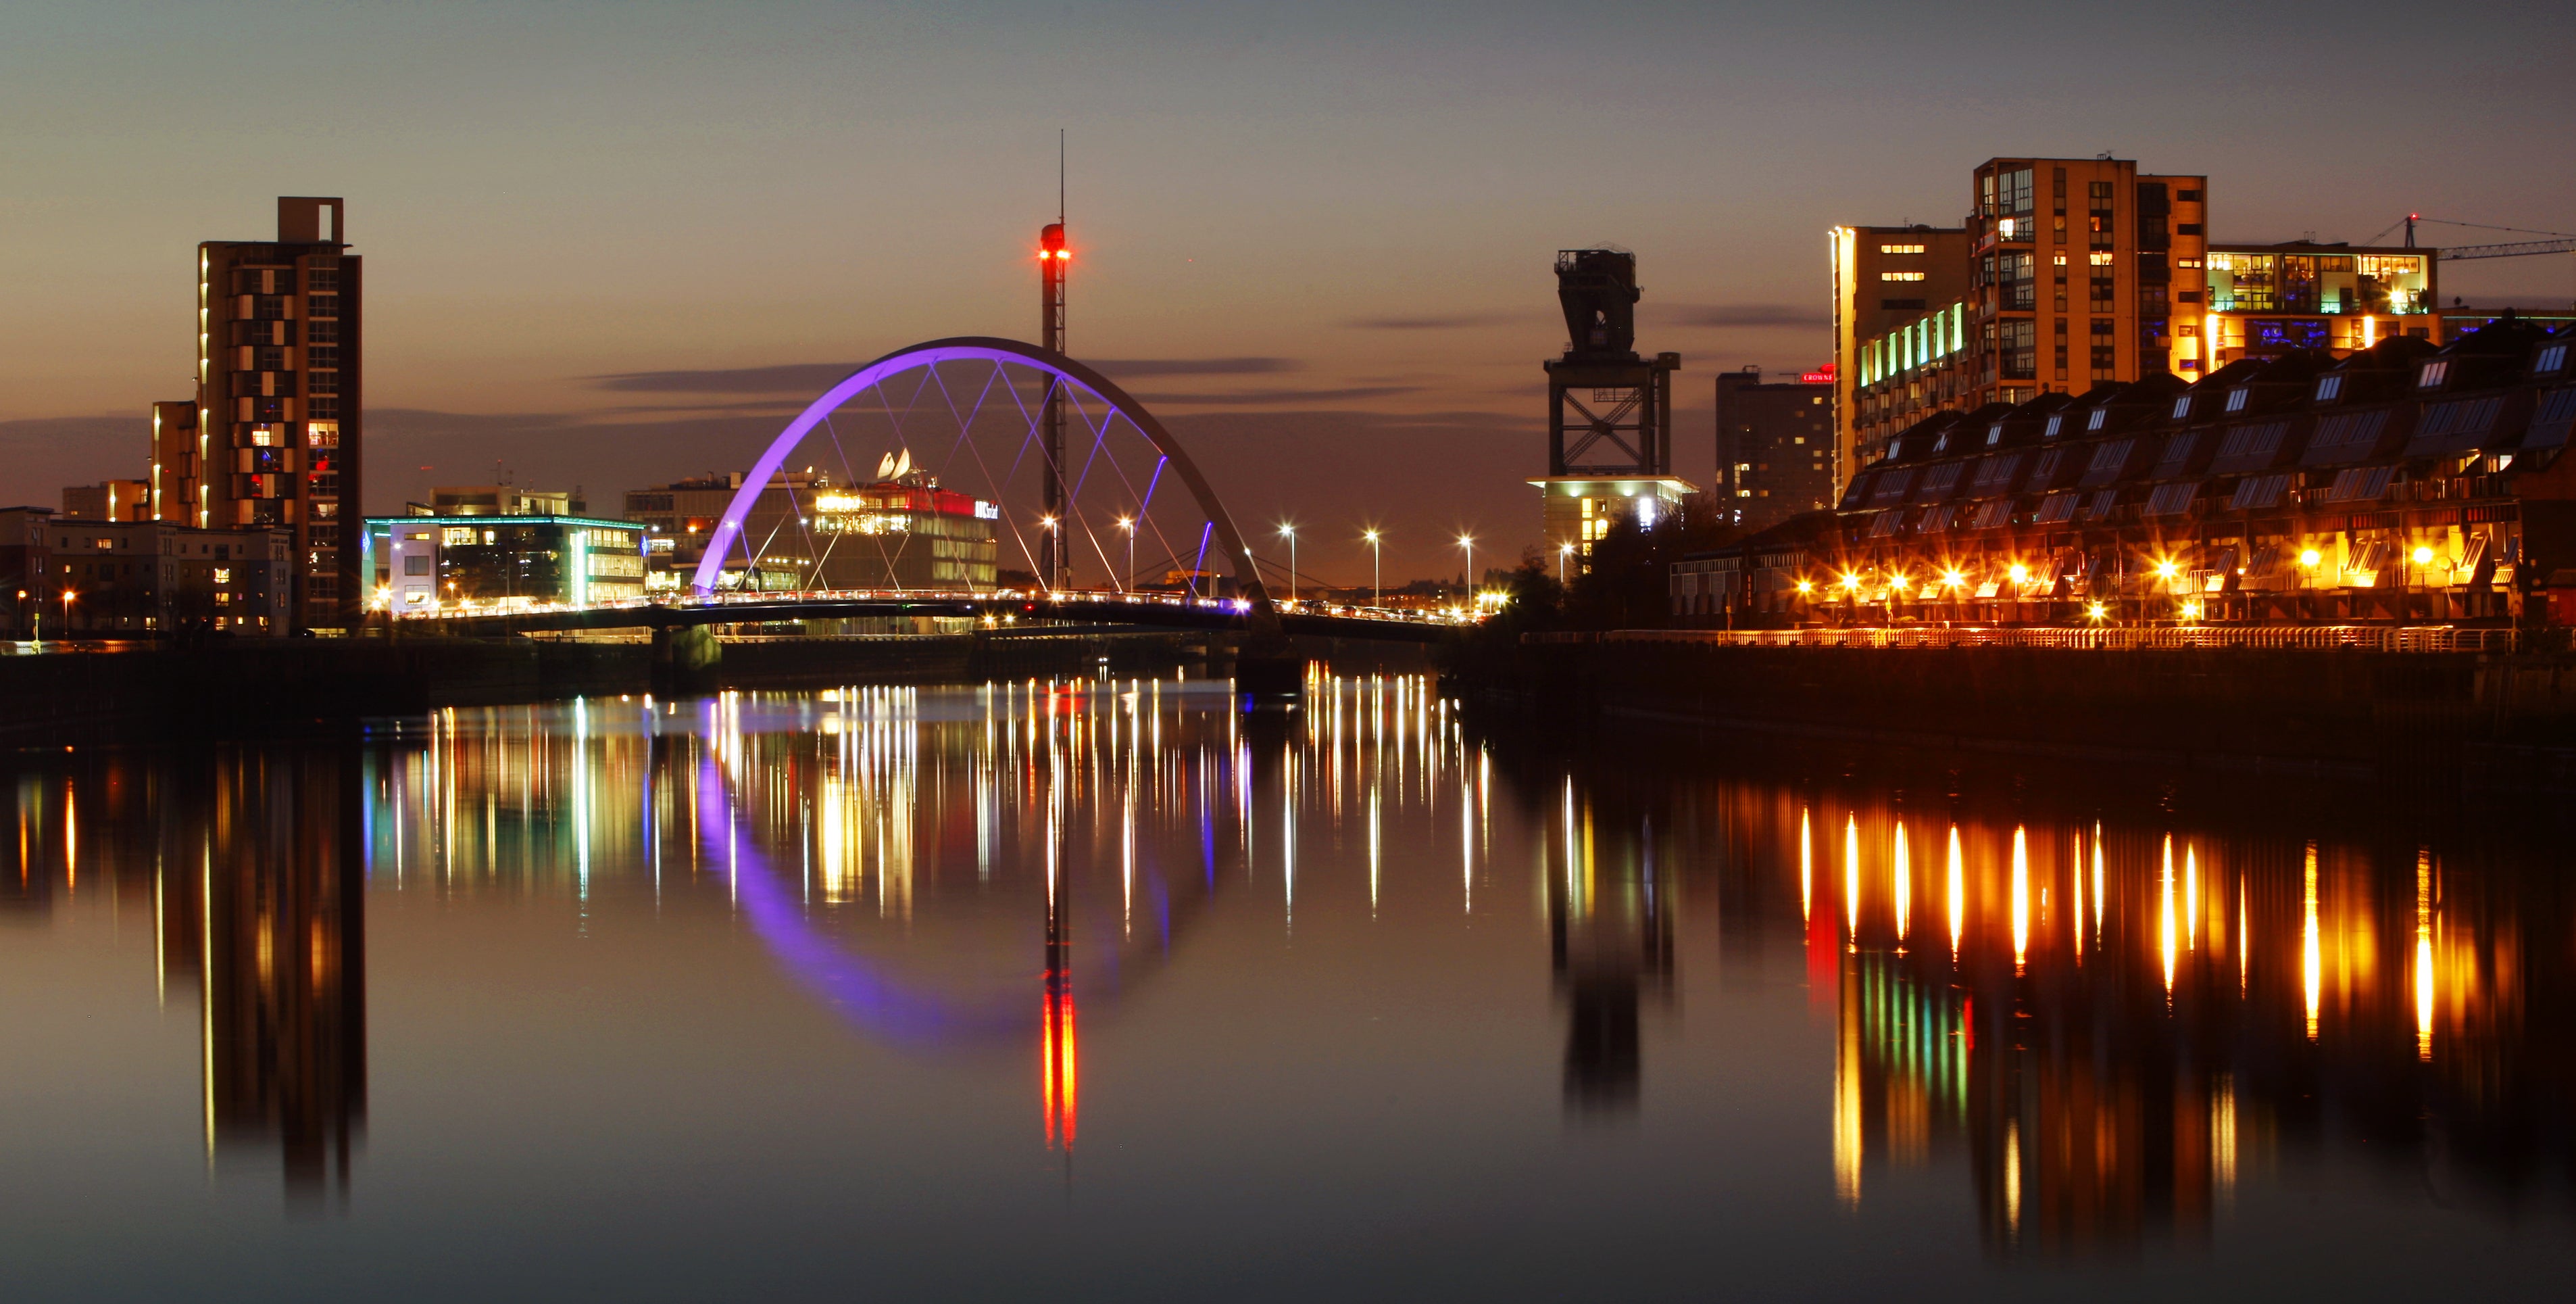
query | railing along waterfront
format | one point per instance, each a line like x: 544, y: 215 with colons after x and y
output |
x: 2362, y: 638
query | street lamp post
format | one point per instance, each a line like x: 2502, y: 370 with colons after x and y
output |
x: 1128, y: 523
x: 1377, y: 582
x: 1291, y: 532
x: 1048, y: 542
x: 68, y: 595
x: 1467, y: 543
x: 1563, y: 551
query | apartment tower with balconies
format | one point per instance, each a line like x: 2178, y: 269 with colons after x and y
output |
x: 278, y: 435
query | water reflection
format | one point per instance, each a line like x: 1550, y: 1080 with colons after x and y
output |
x: 249, y: 864
x: 2097, y: 1029
x: 2130, y: 1021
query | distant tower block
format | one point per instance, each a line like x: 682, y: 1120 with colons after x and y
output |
x: 1609, y: 411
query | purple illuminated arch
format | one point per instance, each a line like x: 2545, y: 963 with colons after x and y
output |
x: 979, y: 348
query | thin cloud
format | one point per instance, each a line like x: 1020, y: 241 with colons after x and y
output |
x: 1126, y: 367
x: 1741, y: 316
x: 1458, y: 321
x: 794, y: 378
x: 1271, y: 397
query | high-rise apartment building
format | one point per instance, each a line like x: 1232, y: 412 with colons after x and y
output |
x: 1885, y: 277
x: 1775, y: 447
x: 278, y: 438
x: 2077, y: 271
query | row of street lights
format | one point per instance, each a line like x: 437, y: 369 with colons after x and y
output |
x: 1373, y: 537
x: 1377, y: 574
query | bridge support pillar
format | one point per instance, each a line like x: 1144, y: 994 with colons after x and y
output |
x: 1270, y: 676
x: 685, y: 658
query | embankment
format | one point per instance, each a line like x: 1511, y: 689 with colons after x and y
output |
x: 252, y: 688
x: 2505, y: 721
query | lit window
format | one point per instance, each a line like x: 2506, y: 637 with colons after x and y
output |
x: 1900, y: 276
x: 2100, y: 259
x: 1900, y: 248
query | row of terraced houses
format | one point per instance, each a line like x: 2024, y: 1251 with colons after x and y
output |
x: 2402, y: 482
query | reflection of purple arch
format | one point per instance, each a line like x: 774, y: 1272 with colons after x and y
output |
x: 978, y: 348
x: 862, y: 995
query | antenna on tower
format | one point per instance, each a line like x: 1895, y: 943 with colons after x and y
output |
x: 1059, y: 176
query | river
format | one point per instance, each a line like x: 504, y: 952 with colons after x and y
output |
x: 1108, y: 989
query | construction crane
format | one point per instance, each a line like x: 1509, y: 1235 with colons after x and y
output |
x: 2564, y: 243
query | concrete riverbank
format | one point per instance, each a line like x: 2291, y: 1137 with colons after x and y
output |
x: 279, y: 686
x: 2505, y: 721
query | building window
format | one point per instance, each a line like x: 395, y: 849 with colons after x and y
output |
x: 2187, y: 228
x: 1900, y: 276
x: 322, y: 306
x: 1900, y: 248
x: 2017, y: 341
x: 2187, y: 196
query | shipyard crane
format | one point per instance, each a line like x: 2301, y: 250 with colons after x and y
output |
x: 2561, y: 243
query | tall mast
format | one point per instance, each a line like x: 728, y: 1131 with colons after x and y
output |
x: 1053, y: 572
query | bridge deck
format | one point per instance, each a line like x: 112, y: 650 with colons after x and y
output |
x: 999, y: 607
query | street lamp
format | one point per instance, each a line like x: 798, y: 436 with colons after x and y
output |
x: 68, y: 595
x: 1467, y: 544
x: 1289, y: 532
x: 1563, y: 551
x: 1377, y: 584
x: 1054, y: 555
x: 1128, y: 523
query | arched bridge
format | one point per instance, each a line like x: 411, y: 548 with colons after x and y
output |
x: 1066, y: 466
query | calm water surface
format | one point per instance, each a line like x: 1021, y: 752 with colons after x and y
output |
x: 1108, y: 990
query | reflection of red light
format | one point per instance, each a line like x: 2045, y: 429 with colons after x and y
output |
x: 1058, y: 1086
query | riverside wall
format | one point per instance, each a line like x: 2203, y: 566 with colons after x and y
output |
x: 252, y: 688
x: 2494, y: 719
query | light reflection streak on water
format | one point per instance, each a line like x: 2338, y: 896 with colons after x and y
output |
x: 2312, y: 960
x: 1851, y: 876
x: 2020, y: 898
x: 2424, y: 955
x: 1958, y: 893
x: 2191, y: 896
x: 1901, y: 875
x: 2165, y: 932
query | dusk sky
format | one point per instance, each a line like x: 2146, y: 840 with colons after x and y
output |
x: 1339, y: 217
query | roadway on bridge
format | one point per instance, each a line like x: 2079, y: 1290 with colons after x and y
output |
x: 997, y: 607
